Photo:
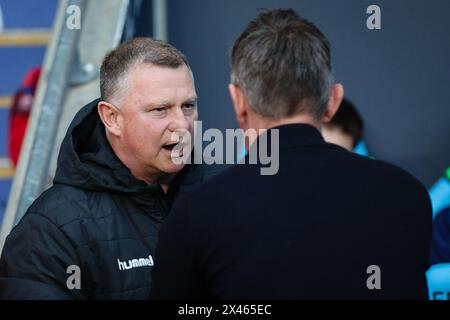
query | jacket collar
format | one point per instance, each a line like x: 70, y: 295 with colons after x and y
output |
x: 299, y: 134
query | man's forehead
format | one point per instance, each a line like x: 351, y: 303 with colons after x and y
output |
x: 161, y: 75
x: 167, y: 101
x: 166, y: 97
x: 158, y: 72
x: 162, y: 84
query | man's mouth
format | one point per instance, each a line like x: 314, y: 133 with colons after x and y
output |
x: 169, y: 147
x: 175, y: 149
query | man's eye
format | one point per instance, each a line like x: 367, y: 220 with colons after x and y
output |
x: 188, y: 109
x: 158, y: 110
x: 189, y: 106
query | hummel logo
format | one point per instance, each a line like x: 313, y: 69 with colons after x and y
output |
x: 134, y: 263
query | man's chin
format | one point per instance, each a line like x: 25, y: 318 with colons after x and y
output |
x: 172, y: 167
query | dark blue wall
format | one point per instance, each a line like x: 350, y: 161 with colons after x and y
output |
x: 398, y: 76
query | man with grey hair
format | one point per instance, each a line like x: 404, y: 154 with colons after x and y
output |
x: 92, y: 235
x: 296, y: 234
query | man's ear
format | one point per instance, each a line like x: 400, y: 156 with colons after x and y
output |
x: 336, y: 96
x: 240, y: 104
x: 110, y: 117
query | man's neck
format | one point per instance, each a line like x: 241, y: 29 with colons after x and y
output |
x: 261, y: 124
x: 300, y: 119
x: 165, y: 183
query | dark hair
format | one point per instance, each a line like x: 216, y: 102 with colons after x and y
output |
x: 348, y: 120
x: 117, y: 63
x: 282, y: 62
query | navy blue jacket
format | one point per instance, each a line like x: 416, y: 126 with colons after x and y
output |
x: 311, y: 231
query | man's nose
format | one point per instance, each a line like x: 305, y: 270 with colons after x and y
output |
x: 178, y: 121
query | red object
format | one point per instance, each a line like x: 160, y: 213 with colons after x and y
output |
x: 20, y: 113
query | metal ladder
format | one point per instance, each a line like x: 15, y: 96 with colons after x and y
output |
x: 69, y: 80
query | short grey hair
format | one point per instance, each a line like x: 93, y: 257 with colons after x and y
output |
x: 283, y: 64
x: 118, y: 62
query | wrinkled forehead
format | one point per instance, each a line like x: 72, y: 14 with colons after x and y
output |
x: 150, y: 83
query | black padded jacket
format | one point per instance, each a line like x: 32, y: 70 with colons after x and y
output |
x: 92, y: 235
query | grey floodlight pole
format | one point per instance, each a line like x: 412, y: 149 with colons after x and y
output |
x: 160, y: 20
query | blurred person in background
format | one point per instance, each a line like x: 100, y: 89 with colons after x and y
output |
x: 20, y: 113
x: 440, y: 248
x: 345, y: 128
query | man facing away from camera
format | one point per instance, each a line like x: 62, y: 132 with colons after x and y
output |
x: 92, y: 235
x: 295, y: 234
